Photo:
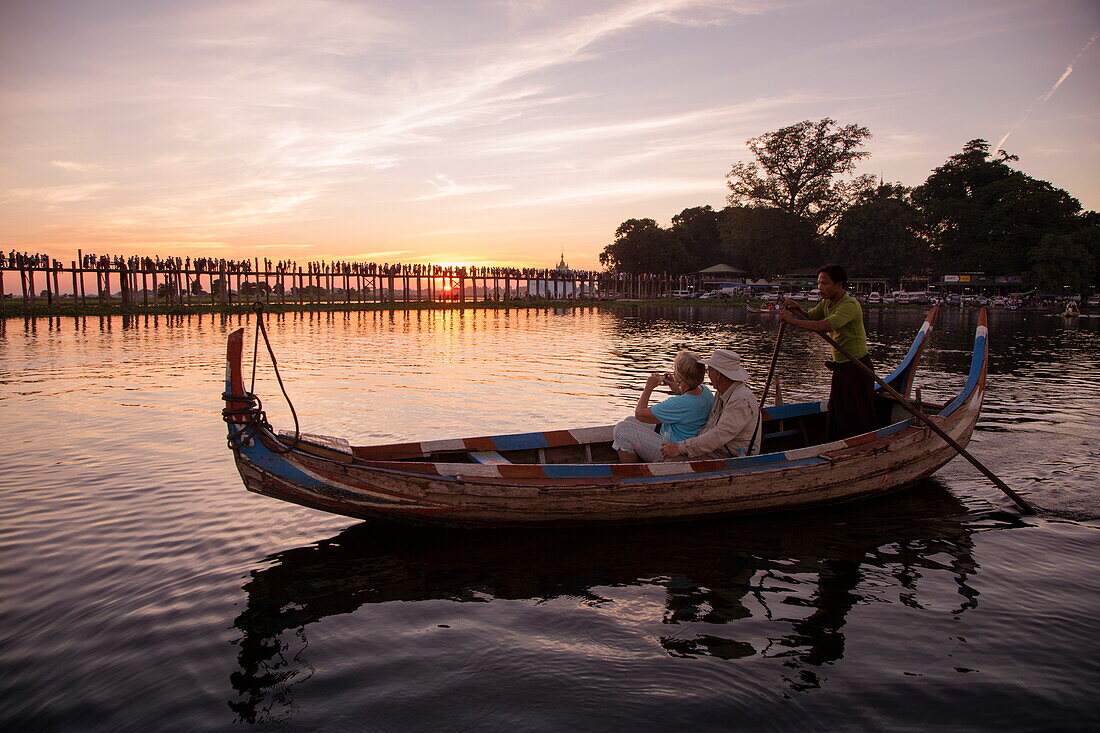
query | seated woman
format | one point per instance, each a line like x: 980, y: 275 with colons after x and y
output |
x: 680, y: 417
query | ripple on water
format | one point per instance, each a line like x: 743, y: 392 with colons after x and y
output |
x: 142, y: 584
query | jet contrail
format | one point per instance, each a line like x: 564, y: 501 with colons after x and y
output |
x: 1045, y: 97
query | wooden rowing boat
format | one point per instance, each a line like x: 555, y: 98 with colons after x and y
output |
x: 571, y: 477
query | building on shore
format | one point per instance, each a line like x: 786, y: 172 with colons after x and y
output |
x: 559, y: 285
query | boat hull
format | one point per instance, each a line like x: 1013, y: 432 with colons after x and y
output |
x: 843, y: 474
x: 414, y: 483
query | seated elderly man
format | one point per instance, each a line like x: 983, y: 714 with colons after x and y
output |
x: 733, y: 426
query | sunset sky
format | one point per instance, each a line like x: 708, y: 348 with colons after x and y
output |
x: 501, y: 131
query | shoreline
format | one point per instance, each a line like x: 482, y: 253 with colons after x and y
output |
x: 69, y: 310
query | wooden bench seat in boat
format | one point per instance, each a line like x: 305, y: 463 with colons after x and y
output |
x: 488, y: 457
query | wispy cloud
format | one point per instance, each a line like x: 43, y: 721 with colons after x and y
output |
x: 71, y: 166
x: 953, y: 28
x: 57, y: 195
x: 444, y: 187
x: 617, y: 190
x: 212, y: 122
x: 462, y: 231
x: 381, y: 254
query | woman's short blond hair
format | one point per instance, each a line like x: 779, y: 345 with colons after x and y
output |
x: 691, y: 369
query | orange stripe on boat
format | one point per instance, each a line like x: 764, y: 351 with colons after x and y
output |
x: 559, y: 437
x: 717, y: 464
x: 384, y: 452
x: 428, y: 469
x: 479, y: 444
x: 520, y: 471
x: 630, y: 470
x: 860, y: 440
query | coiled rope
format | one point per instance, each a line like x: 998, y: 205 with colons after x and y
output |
x: 253, y: 406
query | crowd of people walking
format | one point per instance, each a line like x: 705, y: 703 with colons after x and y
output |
x: 133, y: 263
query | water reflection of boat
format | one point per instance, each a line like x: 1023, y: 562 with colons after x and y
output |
x: 769, y: 587
x: 569, y: 477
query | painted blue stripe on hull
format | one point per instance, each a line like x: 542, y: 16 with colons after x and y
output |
x: 972, y: 379
x: 767, y: 458
x: 520, y: 441
x: 279, y: 466
x: 780, y: 412
x: 564, y: 470
x: 892, y: 429
x: 741, y: 469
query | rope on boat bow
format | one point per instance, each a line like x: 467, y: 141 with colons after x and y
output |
x: 253, y: 406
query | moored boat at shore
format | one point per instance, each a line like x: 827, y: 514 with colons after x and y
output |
x: 571, y: 477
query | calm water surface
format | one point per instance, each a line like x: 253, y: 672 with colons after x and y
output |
x: 141, y: 588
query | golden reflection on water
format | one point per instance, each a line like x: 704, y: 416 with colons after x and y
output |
x: 132, y: 558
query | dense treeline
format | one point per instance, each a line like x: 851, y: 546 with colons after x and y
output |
x: 800, y: 204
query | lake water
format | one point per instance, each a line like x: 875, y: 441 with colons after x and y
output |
x: 142, y: 588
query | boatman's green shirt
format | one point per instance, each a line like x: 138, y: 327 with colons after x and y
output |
x: 845, y: 325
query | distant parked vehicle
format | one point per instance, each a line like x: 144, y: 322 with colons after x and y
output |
x: 770, y: 297
x: 953, y: 299
x: 874, y: 298
x: 1093, y: 301
x: 814, y: 295
x: 680, y: 294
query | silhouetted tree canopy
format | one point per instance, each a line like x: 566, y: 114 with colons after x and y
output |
x: 1062, y: 260
x: 642, y: 246
x: 881, y: 235
x: 797, y: 170
x: 974, y: 213
x: 697, y: 231
x: 983, y: 215
x: 767, y: 241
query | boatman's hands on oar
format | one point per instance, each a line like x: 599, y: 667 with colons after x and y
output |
x: 790, y: 307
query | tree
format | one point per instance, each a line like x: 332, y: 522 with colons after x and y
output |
x: 642, y: 246
x: 697, y: 230
x: 249, y: 288
x: 1061, y: 260
x: 795, y: 170
x: 881, y: 235
x: 767, y: 241
x: 984, y: 216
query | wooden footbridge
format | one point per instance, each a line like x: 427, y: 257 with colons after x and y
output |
x: 137, y: 282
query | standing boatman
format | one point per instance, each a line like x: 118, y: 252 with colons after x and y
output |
x: 851, y: 396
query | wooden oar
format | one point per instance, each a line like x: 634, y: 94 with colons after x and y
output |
x: 767, y: 386
x: 771, y: 369
x: 1024, y: 506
